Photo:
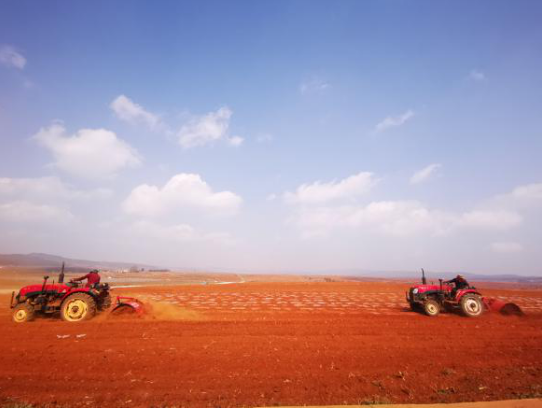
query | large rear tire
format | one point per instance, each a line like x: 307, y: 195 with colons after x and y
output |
x: 472, y: 306
x: 431, y: 308
x: 78, y: 307
x: 23, y: 313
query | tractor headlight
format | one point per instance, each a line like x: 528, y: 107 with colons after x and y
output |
x: 415, y: 291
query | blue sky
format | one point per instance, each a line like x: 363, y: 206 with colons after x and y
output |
x: 274, y: 135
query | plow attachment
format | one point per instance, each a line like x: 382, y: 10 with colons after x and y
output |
x: 128, y: 306
x: 505, y: 308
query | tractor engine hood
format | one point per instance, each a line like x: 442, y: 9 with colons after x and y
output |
x: 422, y: 288
x: 36, y: 288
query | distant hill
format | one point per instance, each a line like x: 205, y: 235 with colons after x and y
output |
x: 51, y: 261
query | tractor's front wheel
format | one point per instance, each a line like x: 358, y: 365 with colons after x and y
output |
x: 23, y: 313
x: 431, y: 308
x: 78, y: 307
x: 472, y: 306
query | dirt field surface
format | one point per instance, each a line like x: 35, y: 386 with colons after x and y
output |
x: 275, y: 344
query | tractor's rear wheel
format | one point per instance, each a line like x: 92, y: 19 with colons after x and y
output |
x: 78, y: 307
x: 431, y: 308
x: 472, y: 306
x: 23, y: 313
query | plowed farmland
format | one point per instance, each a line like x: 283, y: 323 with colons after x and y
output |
x: 267, y: 344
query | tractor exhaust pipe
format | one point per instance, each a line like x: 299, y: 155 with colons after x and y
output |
x: 61, y: 275
x: 424, y: 281
x: 45, y: 278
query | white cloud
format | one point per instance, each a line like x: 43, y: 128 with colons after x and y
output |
x: 235, y: 141
x: 127, y: 110
x: 10, y: 57
x: 313, y: 85
x: 27, y: 212
x: 490, y: 219
x: 207, y: 129
x: 506, y: 247
x: 400, y: 218
x: 527, y: 198
x: 477, y: 75
x: 319, y: 192
x: 528, y: 192
x: 395, y: 218
x: 424, y: 174
x: 183, y: 233
x: 90, y: 153
x: 322, y: 207
x: 184, y: 190
x: 43, y: 200
x: 394, y: 121
x: 46, y: 189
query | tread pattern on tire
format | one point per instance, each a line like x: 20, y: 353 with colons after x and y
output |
x: 29, y: 310
x: 480, y: 303
x: 432, y: 302
x: 91, y: 305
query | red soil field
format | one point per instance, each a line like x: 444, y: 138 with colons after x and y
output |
x: 274, y: 344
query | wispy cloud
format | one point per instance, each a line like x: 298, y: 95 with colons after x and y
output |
x: 477, y: 75
x: 400, y: 218
x: 394, y: 121
x: 506, y: 247
x: 11, y: 57
x: 264, y: 138
x: 207, y: 129
x: 48, y: 189
x: 27, y: 212
x: 313, y: 85
x: 177, y: 233
x: 127, y: 110
x: 321, y: 192
x: 424, y: 174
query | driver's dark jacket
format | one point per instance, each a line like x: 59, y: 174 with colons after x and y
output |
x: 460, y: 283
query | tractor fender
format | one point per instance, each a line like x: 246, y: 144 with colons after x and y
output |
x: 84, y: 290
x: 461, y: 293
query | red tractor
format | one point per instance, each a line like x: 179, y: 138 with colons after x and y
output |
x: 74, y: 301
x: 433, y: 298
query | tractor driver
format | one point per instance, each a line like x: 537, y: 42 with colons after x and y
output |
x: 460, y: 283
x: 92, y: 278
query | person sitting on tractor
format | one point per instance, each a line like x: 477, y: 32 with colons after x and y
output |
x: 92, y: 278
x: 460, y: 284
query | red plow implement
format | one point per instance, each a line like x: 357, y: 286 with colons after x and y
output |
x: 128, y: 306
